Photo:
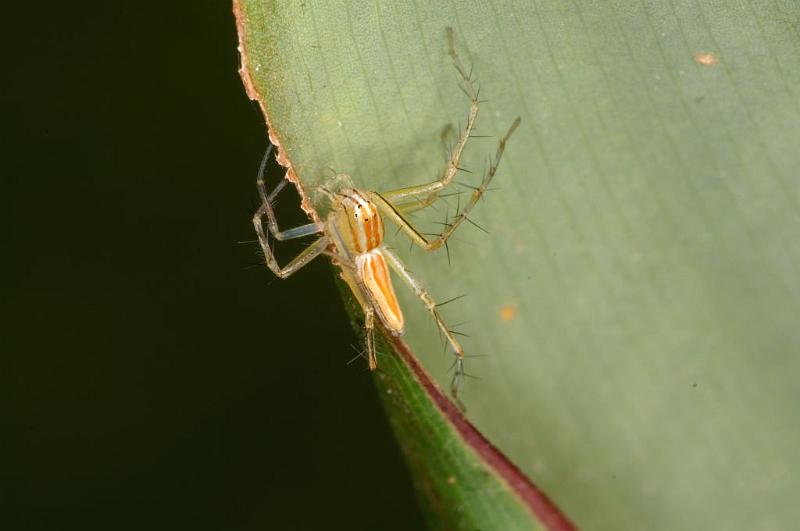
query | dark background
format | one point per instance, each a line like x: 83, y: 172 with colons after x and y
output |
x: 150, y: 379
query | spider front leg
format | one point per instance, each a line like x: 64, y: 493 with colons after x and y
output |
x: 430, y: 305
x: 308, y: 254
x: 393, y: 211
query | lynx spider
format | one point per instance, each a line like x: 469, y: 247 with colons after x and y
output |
x: 352, y: 234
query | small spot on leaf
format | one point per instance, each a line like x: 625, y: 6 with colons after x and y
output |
x: 508, y: 312
x: 705, y: 58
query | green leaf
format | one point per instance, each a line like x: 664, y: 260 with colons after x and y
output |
x: 462, y: 481
x: 638, y: 295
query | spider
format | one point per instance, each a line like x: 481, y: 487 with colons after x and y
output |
x: 352, y: 234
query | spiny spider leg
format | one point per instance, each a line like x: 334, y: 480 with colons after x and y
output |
x: 308, y: 254
x: 425, y: 194
x: 345, y: 259
x: 390, y: 210
x: 266, y: 208
x: 369, y: 330
x: 430, y: 305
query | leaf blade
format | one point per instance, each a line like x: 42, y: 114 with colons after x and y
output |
x: 641, y: 240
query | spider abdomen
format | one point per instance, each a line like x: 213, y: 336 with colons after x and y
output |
x: 374, y: 273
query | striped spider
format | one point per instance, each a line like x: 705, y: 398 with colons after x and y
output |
x: 352, y: 234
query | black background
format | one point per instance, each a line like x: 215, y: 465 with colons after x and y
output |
x: 151, y: 379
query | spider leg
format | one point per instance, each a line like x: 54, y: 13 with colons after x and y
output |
x: 358, y: 289
x: 423, y: 195
x: 342, y: 256
x: 393, y: 212
x: 369, y: 331
x: 266, y: 210
x: 422, y: 293
x: 309, y: 253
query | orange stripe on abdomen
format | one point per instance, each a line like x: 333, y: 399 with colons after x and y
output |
x: 374, y: 273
